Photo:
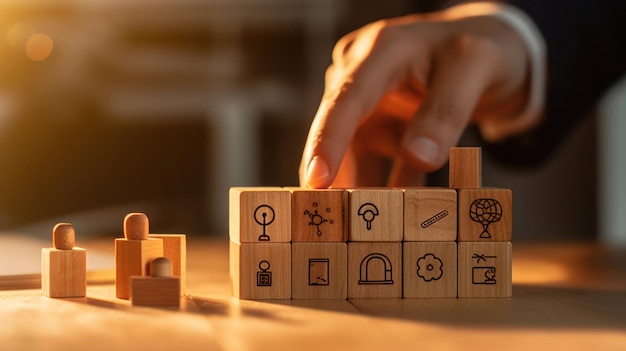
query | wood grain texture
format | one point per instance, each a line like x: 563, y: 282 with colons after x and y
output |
x: 260, y: 215
x: 64, y: 272
x: 430, y: 214
x: 374, y: 270
x: 175, y: 249
x: 465, y: 167
x: 429, y: 269
x: 375, y: 214
x: 260, y: 271
x: 319, y: 215
x: 319, y: 270
x: 132, y: 258
x: 485, y: 214
x: 484, y: 269
x: 567, y: 296
x: 155, y: 291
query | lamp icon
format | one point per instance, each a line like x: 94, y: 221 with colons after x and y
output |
x: 264, y: 216
x: 369, y: 212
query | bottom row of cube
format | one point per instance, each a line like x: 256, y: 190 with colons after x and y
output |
x: 353, y: 270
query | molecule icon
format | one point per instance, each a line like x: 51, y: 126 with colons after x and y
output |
x: 317, y: 219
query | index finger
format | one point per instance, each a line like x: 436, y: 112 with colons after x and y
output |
x: 351, y: 95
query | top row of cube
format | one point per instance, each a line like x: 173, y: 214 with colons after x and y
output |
x: 370, y: 214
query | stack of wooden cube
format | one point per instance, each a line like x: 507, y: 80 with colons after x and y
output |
x: 373, y: 242
x: 260, y: 246
x: 485, y: 229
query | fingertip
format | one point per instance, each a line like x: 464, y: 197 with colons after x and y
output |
x: 317, y: 173
x: 423, y: 149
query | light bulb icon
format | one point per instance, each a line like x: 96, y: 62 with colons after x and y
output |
x: 369, y: 212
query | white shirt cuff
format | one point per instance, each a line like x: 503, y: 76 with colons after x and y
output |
x: 531, y: 115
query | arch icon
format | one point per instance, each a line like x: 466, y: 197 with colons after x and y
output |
x: 382, y: 265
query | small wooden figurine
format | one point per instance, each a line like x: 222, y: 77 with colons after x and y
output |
x: 64, y: 267
x: 160, y: 289
x: 134, y: 252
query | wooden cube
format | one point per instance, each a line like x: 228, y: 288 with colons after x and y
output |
x: 430, y: 214
x: 484, y: 269
x: 64, y: 272
x: 374, y: 270
x: 260, y: 271
x: 465, y: 167
x: 319, y: 215
x: 429, y: 269
x: 132, y: 258
x: 155, y: 291
x: 319, y: 270
x: 485, y: 214
x: 375, y: 214
x: 175, y: 249
x: 260, y: 215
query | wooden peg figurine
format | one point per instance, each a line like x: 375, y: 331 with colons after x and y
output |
x: 160, y: 289
x: 134, y: 252
x: 175, y: 249
x: 63, y: 267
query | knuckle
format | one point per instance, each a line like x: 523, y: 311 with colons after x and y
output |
x: 342, y: 47
x: 471, y: 47
x: 386, y: 33
x: 446, y: 113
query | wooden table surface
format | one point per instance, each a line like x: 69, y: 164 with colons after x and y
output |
x: 566, y: 297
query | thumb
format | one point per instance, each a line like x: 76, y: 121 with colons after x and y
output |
x: 462, y: 72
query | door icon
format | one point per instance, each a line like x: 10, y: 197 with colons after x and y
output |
x: 376, y: 269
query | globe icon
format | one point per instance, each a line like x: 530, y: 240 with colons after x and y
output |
x: 485, y: 212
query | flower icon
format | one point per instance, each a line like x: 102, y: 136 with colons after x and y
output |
x: 429, y: 267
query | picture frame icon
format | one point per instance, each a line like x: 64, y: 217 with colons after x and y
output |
x: 484, y: 275
x: 319, y: 271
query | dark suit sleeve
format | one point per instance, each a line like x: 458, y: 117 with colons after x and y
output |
x: 586, y: 54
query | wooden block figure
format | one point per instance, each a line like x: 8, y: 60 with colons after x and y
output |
x: 485, y: 214
x: 484, y: 269
x: 160, y: 289
x: 430, y: 269
x: 376, y: 214
x: 134, y: 252
x: 260, y: 215
x: 175, y: 249
x: 465, y: 167
x: 374, y: 270
x: 319, y: 270
x: 319, y: 215
x: 64, y: 266
x: 260, y: 271
x: 430, y: 214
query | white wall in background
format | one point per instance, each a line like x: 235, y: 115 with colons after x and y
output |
x: 612, y: 167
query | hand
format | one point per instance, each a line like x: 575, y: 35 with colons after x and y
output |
x: 400, y: 93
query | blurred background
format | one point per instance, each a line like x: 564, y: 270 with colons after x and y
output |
x: 160, y: 106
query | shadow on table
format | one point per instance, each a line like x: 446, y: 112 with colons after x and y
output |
x: 531, y: 307
x: 217, y: 307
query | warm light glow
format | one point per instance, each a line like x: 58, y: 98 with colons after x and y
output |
x: 39, y: 47
x: 18, y: 34
x: 539, y: 272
